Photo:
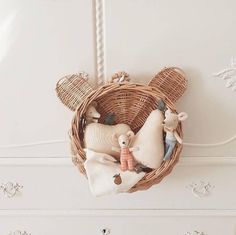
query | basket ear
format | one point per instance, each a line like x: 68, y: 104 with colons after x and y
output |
x: 72, y: 90
x: 171, y: 81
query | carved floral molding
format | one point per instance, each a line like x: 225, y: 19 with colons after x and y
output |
x: 201, y: 189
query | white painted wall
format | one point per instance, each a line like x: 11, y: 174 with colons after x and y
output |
x: 40, y: 41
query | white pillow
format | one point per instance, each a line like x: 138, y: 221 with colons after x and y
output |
x: 149, y: 140
x: 99, y: 137
x: 101, y: 168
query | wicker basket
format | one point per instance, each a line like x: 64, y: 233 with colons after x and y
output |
x: 132, y: 103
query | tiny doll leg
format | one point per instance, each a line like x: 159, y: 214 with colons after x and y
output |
x: 168, y: 154
x: 131, y: 164
x: 124, y: 165
x: 169, y: 150
x: 166, y: 146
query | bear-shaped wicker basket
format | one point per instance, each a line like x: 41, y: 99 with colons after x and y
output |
x: 131, y: 103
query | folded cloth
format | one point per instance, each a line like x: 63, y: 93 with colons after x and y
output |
x: 102, y: 170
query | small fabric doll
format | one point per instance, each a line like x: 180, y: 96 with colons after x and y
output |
x: 91, y: 114
x: 170, y: 124
x: 126, y: 158
x: 161, y: 105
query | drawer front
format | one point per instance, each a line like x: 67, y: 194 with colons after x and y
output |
x: 117, y: 225
x: 62, y: 187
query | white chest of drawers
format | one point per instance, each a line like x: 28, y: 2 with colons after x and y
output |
x: 41, y: 192
x: 56, y: 184
x: 60, y: 203
x: 119, y: 223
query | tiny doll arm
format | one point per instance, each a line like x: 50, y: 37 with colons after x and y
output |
x: 115, y: 149
x: 134, y: 149
x: 177, y: 137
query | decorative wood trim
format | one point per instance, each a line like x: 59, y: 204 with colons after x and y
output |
x: 201, y: 189
x: 105, y: 231
x: 207, y: 161
x: 195, y: 233
x: 118, y: 213
x: 100, y: 45
x: 18, y: 232
x: 66, y: 161
x: 229, y: 75
x: 10, y: 189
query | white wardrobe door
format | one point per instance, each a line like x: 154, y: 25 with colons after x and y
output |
x: 143, y: 36
x: 40, y: 41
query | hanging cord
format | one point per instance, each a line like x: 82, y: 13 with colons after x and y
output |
x: 33, y: 144
x: 211, y: 145
x: 61, y: 141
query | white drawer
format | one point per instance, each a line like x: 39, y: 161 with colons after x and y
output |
x: 62, y: 187
x: 123, y: 224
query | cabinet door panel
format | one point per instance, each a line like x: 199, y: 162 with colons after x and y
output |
x: 40, y: 41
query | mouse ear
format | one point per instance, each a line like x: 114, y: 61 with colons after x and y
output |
x: 73, y: 89
x: 168, y: 111
x: 182, y: 116
x: 130, y: 134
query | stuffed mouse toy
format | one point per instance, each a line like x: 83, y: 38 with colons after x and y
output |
x: 126, y: 158
x: 170, y: 124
